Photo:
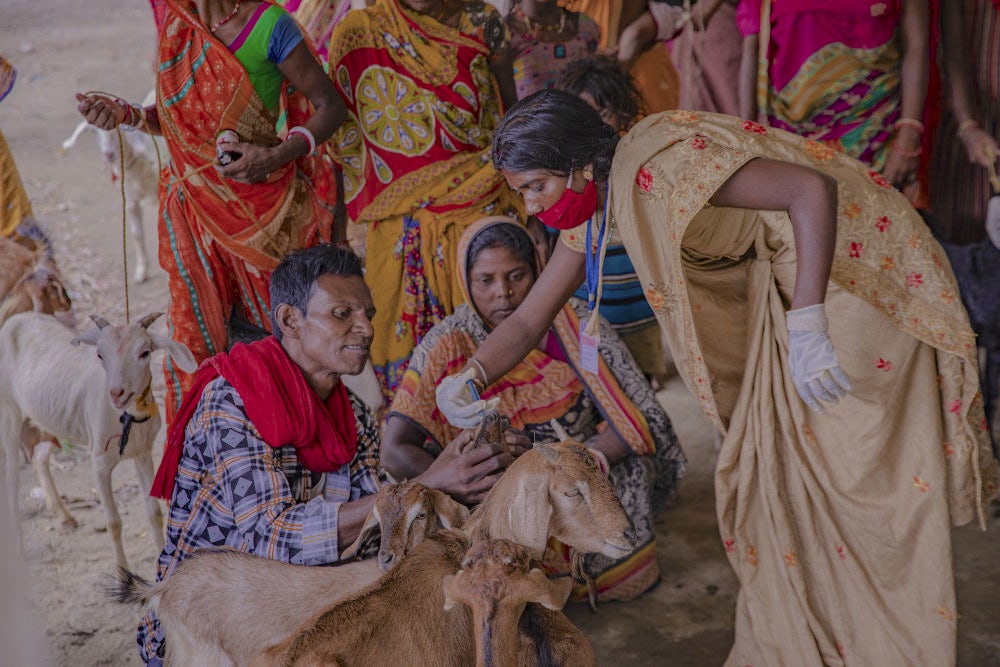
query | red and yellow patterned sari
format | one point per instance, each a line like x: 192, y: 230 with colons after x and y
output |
x: 423, y: 104
x: 219, y: 239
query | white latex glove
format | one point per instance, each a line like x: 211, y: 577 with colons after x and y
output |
x: 457, y: 403
x: 812, y: 359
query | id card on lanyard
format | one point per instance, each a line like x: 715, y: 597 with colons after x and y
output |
x: 590, y: 333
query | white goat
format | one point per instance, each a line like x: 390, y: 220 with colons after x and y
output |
x: 141, y: 179
x: 81, y: 397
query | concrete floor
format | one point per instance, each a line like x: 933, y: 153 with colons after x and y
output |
x: 688, y: 619
x: 60, y: 47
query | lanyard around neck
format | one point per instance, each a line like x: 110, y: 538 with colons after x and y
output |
x: 595, y: 256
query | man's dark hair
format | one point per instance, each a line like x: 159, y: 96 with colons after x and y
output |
x: 555, y: 131
x: 607, y: 82
x: 294, y: 279
x: 511, y: 236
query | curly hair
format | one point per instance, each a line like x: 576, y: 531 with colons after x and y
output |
x: 555, y: 131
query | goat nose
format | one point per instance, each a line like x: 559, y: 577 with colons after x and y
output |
x: 385, y: 558
x: 630, y: 534
x: 116, y: 393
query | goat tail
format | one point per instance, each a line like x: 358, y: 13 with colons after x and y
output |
x: 126, y: 587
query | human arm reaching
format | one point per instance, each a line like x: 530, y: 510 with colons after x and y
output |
x: 980, y: 147
x: 306, y: 75
x: 810, y: 198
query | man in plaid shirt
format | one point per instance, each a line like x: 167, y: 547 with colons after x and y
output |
x: 229, y: 481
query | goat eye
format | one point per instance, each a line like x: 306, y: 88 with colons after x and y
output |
x: 422, y: 515
x: 572, y: 494
x: 144, y: 354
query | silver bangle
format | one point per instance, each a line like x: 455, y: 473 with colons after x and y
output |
x: 475, y: 362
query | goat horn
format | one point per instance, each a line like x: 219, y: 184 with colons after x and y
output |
x: 547, y: 451
x: 100, y: 321
x: 146, y: 320
x: 561, y: 433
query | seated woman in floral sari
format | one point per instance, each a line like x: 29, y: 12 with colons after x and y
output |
x: 424, y: 82
x: 613, y: 410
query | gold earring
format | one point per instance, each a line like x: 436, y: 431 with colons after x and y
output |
x: 588, y: 174
x: 510, y: 293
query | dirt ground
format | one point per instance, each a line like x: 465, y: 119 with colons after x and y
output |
x: 62, y: 47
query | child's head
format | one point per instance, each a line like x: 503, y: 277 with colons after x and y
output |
x: 604, y: 84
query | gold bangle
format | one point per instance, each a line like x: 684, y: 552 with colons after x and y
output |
x: 964, y: 126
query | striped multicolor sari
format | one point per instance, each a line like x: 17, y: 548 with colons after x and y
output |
x: 422, y: 104
x: 831, y: 73
x: 551, y: 385
x: 219, y: 239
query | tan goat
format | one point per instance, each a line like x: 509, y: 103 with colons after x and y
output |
x: 195, y: 603
x: 498, y: 584
x: 405, y: 514
x: 396, y: 621
x: 30, y: 280
x: 558, y: 489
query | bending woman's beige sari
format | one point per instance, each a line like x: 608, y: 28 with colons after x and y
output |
x: 837, y: 524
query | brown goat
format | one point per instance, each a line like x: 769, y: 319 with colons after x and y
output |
x: 555, y: 490
x: 405, y: 514
x: 558, y: 489
x: 492, y: 429
x: 196, y: 601
x: 497, y: 583
x: 30, y: 280
x: 396, y: 621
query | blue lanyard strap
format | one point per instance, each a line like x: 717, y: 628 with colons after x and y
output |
x: 593, y: 256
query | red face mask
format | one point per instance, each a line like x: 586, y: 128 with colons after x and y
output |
x: 572, y: 209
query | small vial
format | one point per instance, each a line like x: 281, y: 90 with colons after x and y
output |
x: 226, y: 157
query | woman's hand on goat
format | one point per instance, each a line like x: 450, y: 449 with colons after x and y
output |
x: 467, y: 473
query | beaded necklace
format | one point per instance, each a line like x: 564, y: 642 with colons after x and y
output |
x: 218, y: 24
x: 535, y: 28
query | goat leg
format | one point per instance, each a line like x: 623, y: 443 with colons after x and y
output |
x: 40, y: 462
x: 144, y: 469
x: 102, y: 469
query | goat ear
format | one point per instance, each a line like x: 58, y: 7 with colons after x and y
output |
x: 450, y: 512
x: 452, y: 591
x: 367, y: 530
x: 88, y: 337
x: 531, y: 512
x: 146, y: 320
x: 179, y: 352
x: 550, y: 593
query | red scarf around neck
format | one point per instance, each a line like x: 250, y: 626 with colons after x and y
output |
x: 279, y: 403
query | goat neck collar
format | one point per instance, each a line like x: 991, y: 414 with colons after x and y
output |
x: 143, y: 407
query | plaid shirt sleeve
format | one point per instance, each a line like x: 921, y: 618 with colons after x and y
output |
x: 257, y: 483
x: 235, y: 490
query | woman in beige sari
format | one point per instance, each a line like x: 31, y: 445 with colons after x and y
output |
x: 836, y: 519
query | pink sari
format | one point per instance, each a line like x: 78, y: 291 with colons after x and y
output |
x: 832, y: 70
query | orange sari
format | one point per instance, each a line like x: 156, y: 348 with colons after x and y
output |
x: 219, y: 239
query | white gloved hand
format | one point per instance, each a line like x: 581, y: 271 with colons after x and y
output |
x: 813, y: 361
x: 457, y: 403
